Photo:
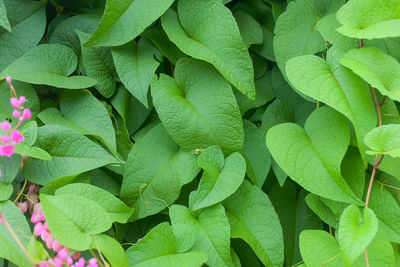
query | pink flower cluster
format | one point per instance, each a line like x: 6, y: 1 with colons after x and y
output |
x: 11, y: 136
x: 41, y: 230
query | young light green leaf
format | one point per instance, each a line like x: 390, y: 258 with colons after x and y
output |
x: 136, y: 66
x: 98, y: 64
x: 319, y: 248
x: 331, y: 83
x: 207, y: 232
x: 380, y: 70
x: 319, y: 151
x: 256, y: 154
x: 159, y: 248
x: 41, y: 65
x: 72, y: 219
x: 28, y: 24
x: 370, y: 19
x: 30, y: 151
x: 111, y: 249
x: 155, y: 171
x: 9, y: 248
x: 290, y: 39
x: 384, y: 140
x: 116, y: 209
x: 85, y: 110
x: 249, y: 28
x: 71, y: 154
x: 36, y: 251
x: 253, y: 219
x: 196, y: 33
x: 356, y: 231
x: 198, y: 108
x: 3, y: 17
x: 138, y: 14
x: 221, y: 178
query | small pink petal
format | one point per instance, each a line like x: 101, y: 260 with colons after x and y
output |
x: 63, y: 254
x: 22, y: 100
x: 16, y: 137
x: 5, y: 125
x: 8, y: 79
x: 36, y: 217
x: 56, y: 246
x: 58, y: 262
x: 26, y: 114
x: 16, y: 113
x: 6, y: 139
x: 7, y: 150
x: 14, y: 102
x: 70, y: 261
x: 38, y: 229
x: 23, y: 206
x: 49, y: 241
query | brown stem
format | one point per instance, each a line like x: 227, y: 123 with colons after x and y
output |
x: 371, y: 181
x: 366, y: 257
x: 383, y: 101
x: 16, y: 238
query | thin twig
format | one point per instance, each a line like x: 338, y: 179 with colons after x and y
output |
x: 21, y: 191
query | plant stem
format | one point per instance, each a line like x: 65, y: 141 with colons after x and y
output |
x: 8, y: 226
x: 21, y: 191
x: 366, y: 257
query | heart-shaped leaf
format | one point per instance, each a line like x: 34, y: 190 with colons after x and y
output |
x: 356, y: 231
x: 312, y: 158
x: 193, y: 31
x: 384, y: 140
x: 221, y: 178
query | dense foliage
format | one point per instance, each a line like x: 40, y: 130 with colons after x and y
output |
x: 193, y: 133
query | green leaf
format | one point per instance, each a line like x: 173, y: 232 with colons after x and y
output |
x: 6, y: 191
x: 28, y: 26
x: 9, y: 248
x: 85, y: 110
x: 384, y: 140
x: 136, y: 66
x: 356, y: 231
x: 52, y: 116
x: 116, y: 209
x: 65, y: 33
x: 3, y: 17
x: 253, y: 218
x: 196, y: 114
x: 36, y: 251
x: 41, y: 65
x: 221, y: 178
x: 249, y: 28
x: 158, y: 37
x: 111, y: 249
x: 159, y: 248
x: 98, y: 64
x: 331, y: 83
x: 72, y: 220
x: 319, y: 151
x: 266, y: 49
x: 380, y: 70
x: 9, y: 168
x: 319, y: 248
x: 295, y: 34
x: 207, y: 232
x: 133, y: 113
x: 370, y: 19
x: 256, y: 154
x: 196, y: 34
x: 387, y: 211
x: 294, y: 215
x: 30, y: 151
x: 138, y: 14
x: 319, y: 207
x: 155, y: 171
x: 353, y: 171
x: 71, y: 154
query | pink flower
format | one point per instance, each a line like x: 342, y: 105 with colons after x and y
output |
x: 23, y: 206
x: 80, y: 263
x: 22, y: 100
x: 26, y: 114
x: 5, y: 125
x: 1, y: 220
x: 16, y: 137
x: 43, y: 264
x: 93, y: 262
x: 6, y: 139
x: 76, y: 255
x: 8, y: 79
x: 70, y: 261
x: 58, y: 262
x: 16, y: 113
x: 63, y: 254
x: 36, y: 217
x: 49, y: 241
x: 44, y: 235
x: 7, y: 150
x: 38, y: 229
x: 14, y: 102
x: 56, y: 246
